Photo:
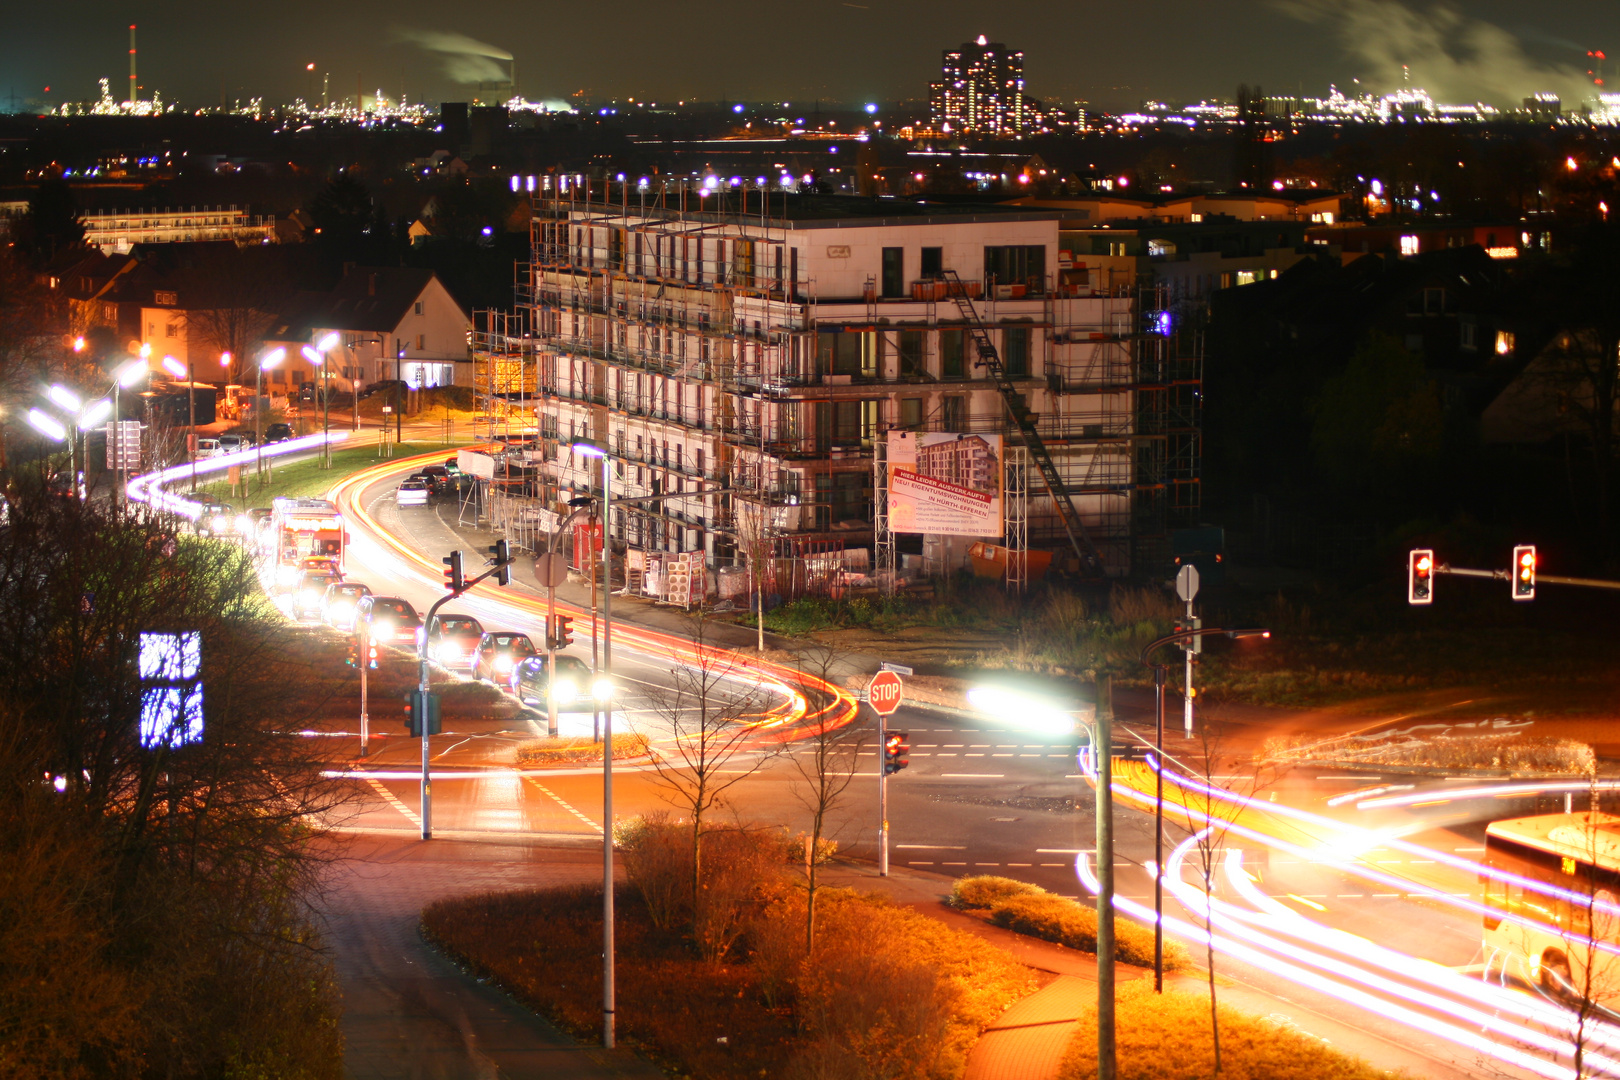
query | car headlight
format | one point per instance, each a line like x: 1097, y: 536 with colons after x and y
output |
x: 342, y: 610
x: 285, y: 575
x: 308, y: 596
x: 602, y: 689
x: 503, y: 663
x: 244, y: 525
x: 381, y: 628
x: 564, y: 691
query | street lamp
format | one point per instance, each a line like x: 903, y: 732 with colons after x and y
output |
x: 1159, y: 671
x: 317, y: 356
x: 267, y: 360
x: 580, y: 505
x: 80, y: 416
x: 129, y: 375
x: 605, y: 673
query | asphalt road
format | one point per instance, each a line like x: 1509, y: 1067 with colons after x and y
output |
x: 980, y: 797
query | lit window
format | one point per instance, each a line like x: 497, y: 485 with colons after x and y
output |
x: 1504, y: 343
x: 1409, y: 245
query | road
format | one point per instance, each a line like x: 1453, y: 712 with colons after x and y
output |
x: 1352, y: 924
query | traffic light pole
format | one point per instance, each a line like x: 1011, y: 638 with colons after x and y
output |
x: 1103, y: 749
x: 1541, y: 579
x: 365, y: 719
x: 423, y: 686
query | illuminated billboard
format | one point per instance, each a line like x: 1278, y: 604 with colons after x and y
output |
x: 171, y: 689
x: 945, y: 483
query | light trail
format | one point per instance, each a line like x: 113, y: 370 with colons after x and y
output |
x: 1436, y: 796
x: 1316, y: 935
x: 148, y: 487
x: 1321, y: 983
x: 816, y: 701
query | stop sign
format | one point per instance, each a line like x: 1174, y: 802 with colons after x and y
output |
x: 883, y: 692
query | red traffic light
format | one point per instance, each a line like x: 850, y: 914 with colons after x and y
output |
x: 895, y: 752
x: 1420, y: 576
x: 1524, y: 572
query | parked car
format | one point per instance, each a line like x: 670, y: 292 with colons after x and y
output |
x: 340, y: 601
x: 388, y: 620
x: 497, y: 654
x: 413, y: 492
x: 574, y: 687
x: 207, y: 448
x: 438, y: 479
x: 277, y: 432
x: 248, y: 524
x: 230, y: 444
x: 386, y: 387
x: 452, y: 639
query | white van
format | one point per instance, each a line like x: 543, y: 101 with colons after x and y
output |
x: 207, y: 448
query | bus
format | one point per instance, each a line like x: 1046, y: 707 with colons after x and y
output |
x: 305, y: 534
x: 1553, y: 889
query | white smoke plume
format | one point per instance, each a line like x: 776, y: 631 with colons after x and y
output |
x: 1451, y: 55
x: 464, y: 59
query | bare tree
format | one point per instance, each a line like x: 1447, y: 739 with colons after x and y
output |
x: 1207, y: 816
x: 231, y: 296
x: 825, y: 761
x: 708, y: 744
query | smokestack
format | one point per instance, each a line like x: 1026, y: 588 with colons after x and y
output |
x: 132, y: 86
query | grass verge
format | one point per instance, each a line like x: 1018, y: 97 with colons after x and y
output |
x: 733, y: 1019
x: 581, y: 748
x: 307, y: 478
x: 1167, y: 1037
x: 1029, y: 909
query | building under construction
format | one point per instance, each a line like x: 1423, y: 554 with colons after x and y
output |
x: 743, y: 353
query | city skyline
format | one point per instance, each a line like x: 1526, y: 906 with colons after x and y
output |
x: 847, y: 52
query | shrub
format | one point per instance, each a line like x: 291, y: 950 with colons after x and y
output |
x: 658, y: 859
x: 985, y: 890
x: 1052, y: 918
x: 581, y: 748
x: 1167, y: 1037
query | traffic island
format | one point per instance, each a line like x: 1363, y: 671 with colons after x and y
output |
x: 578, y: 750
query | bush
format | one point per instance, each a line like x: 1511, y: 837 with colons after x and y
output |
x: 985, y: 890
x: 1052, y: 918
x: 1167, y: 1037
x: 882, y: 975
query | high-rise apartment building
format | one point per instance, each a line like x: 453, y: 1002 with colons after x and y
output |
x: 981, y: 91
x: 764, y: 353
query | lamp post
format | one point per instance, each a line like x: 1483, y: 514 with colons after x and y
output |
x: 317, y: 356
x: 581, y: 505
x: 605, y: 672
x: 131, y: 373
x: 80, y: 416
x: 1159, y: 673
x: 266, y: 360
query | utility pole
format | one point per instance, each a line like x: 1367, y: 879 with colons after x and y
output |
x: 365, y: 662
x: 1102, y: 748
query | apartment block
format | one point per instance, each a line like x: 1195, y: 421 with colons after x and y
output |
x: 765, y: 345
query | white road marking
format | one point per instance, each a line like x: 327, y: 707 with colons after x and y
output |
x: 560, y: 801
x: 392, y: 800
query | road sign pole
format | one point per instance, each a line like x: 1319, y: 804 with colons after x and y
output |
x: 365, y: 720
x: 883, y: 694
x: 883, y: 799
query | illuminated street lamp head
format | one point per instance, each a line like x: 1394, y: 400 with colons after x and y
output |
x: 78, y: 343
x: 67, y: 399
x: 1248, y: 631
x: 273, y: 357
x: 329, y: 342
x: 146, y: 351
x: 46, y: 425
x: 95, y: 413
x: 174, y: 367
x: 131, y: 373
x: 312, y: 356
x: 225, y: 358
x: 589, y: 449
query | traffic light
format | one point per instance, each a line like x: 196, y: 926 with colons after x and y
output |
x: 895, y: 752
x: 353, y: 659
x: 1195, y: 644
x: 419, y: 703
x: 454, y: 578
x: 1420, y: 577
x: 371, y: 655
x: 1524, y: 572
x: 501, y: 559
x: 564, y: 636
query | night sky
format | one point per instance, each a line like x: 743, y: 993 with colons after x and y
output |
x: 1113, y: 55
